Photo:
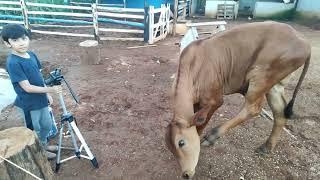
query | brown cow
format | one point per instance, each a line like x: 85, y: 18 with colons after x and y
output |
x: 251, y: 59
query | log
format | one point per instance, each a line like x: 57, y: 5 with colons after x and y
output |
x: 20, y: 146
x: 91, y: 52
x: 135, y: 47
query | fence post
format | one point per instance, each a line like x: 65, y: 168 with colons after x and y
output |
x: 162, y: 20
x: 189, y: 8
x: 184, y: 14
x: 95, y: 21
x: 164, y: 17
x: 151, y: 24
x: 25, y: 14
x: 175, y: 16
x: 146, y: 23
x: 168, y: 18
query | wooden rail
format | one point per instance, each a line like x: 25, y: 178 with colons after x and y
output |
x: 94, y: 17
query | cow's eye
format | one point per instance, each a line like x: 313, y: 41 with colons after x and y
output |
x: 181, y: 143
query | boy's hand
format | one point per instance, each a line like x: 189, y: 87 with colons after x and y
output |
x: 50, y: 99
x: 57, y: 89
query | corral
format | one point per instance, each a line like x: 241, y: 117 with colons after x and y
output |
x: 125, y: 108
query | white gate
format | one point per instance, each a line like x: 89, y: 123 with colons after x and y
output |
x: 159, y: 30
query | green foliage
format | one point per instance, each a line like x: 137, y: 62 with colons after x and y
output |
x: 84, y: 1
x: 18, y: 13
x: 45, y: 9
x: 307, y: 20
x: 282, y: 16
x: 47, y: 1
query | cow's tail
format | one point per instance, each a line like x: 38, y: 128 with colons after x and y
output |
x: 288, y: 110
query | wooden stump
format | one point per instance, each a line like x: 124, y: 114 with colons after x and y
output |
x: 20, y: 146
x: 90, y: 52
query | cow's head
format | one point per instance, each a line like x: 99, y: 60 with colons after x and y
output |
x: 184, y: 142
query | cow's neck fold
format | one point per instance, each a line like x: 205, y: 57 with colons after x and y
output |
x: 183, y: 102
x: 183, y: 111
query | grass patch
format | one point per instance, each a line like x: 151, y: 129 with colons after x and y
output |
x: 311, y: 21
x: 287, y: 15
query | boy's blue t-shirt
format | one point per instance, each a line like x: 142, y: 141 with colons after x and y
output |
x: 20, y: 69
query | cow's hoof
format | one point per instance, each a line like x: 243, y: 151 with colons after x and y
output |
x: 211, y: 138
x: 206, y: 142
x: 263, y: 150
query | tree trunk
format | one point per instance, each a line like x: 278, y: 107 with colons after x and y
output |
x: 91, y: 52
x: 20, y: 146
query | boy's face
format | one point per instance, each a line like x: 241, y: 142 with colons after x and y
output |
x: 20, y: 45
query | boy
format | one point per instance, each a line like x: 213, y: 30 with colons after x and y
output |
x: 24, y: 70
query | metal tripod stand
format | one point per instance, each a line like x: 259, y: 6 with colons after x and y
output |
x: 68, y: 119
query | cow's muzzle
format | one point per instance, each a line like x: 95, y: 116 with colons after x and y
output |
x: 187, y: 174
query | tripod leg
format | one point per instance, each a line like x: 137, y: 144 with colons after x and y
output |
x: 74, y: 141
x: 78, y: 133
x: 59, y: 147
x: 94, y: 162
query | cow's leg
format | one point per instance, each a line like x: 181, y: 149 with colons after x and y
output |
x: 252, y: 107
x: 208, y: 117
x: 277, y: 102
x: 210, y: 102
x: 197, y: 108
x: 204, y: 114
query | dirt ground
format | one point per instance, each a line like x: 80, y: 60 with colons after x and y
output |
x: 125, y: 109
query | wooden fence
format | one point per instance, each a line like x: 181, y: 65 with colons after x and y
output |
x: 184, y: 8
x: 133, y: 18
x: 159, y: 23
x: 120, y: 5
x: 93, y: 22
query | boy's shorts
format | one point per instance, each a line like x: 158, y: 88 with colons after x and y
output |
x: 44, y: 113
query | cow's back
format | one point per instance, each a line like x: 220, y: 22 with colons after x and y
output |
x: 246, y: 49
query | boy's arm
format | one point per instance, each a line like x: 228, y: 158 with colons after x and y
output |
x: 25, y: 85
x: 29, y: 88
x: 50, y: 99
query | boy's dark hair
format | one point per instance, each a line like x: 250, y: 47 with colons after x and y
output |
x: 14, y: 31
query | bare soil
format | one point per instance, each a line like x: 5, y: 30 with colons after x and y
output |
x: 125, y: 109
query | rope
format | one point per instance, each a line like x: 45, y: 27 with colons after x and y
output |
x: 21, y: 168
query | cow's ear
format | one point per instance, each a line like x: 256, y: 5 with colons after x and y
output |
x: 198, y: 119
